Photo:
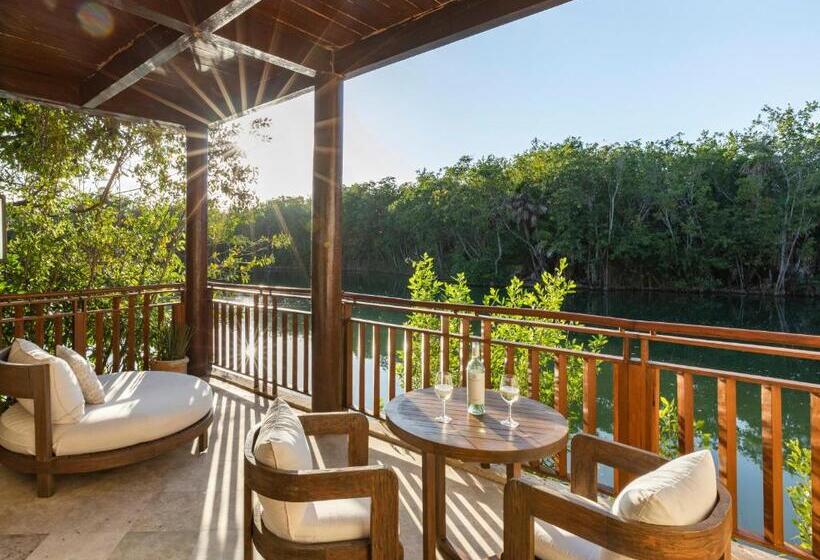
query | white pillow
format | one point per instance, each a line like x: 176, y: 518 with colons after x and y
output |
x: 67, y: 402
x: 92, y: 389
x: 283, y: 445
x: 681, y: 492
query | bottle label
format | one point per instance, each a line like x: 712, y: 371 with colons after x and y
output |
x: 475, y: 390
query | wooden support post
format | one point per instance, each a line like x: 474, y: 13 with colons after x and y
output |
x: 196, y: 248
x: 326, y: 258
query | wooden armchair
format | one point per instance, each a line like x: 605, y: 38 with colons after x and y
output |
x: 358, y: 480
x: 709, y: 539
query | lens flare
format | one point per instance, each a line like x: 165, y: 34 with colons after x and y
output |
x: 95, y: 19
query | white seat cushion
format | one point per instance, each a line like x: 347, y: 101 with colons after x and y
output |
x: 283, y: 445
x: 90, y: 385
x: 554, y: 543
x: 67, y: 401
x: 138, y: 407
x: 681, y: 492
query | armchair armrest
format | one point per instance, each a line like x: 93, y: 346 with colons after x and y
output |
x: 588, y: 451
x: 707, y: 540
x: 376, y: 482
x: 354, y: 424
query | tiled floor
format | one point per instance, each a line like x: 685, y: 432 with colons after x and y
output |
x: 186, y: 506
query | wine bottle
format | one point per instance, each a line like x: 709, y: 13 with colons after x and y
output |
x: 475, y: 383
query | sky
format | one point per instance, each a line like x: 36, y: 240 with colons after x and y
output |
x: 602, y: 70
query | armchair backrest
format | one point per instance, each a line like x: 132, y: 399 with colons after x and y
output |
x: 708, y: 539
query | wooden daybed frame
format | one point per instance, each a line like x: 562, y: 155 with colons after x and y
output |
x: 33, y: 382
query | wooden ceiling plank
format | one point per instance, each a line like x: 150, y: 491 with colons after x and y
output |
x: 448, y: 24
x: 252, y: 52
x: 136, y: 9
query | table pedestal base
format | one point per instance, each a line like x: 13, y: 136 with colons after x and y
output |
x: 434, y: 512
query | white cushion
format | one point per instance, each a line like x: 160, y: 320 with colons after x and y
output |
x: 681, y: 492
x: 283, y: 445
x: 138, y: 407
x: 90, y: 385
x: 554, y: 543
x: 67, y: 402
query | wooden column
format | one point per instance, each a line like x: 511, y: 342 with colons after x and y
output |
x: 328, y: 384
x: 196, y: 248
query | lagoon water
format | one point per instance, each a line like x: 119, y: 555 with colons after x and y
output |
x: 799, y: 314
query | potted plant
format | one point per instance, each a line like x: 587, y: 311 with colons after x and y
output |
x: 172, y: 349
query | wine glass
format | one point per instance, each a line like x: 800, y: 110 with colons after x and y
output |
x: 509, y: 392
x: 444, y: 390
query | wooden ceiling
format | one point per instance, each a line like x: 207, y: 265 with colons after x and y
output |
x: 191, y: 62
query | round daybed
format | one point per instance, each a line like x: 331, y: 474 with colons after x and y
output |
x: 144, y: 415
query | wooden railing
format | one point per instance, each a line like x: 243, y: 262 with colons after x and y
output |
x: 263, y: 333
x: 113, y: 327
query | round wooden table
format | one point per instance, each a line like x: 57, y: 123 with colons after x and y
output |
x: 542, y: 432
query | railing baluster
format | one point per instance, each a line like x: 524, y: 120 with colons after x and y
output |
x: 361, y: 354
x: 464, y: 349
x: 814, y: 424
x: 377, y: 370
x: 256, y: 342
x: 247, y: 345
x: 274, y: 343
x: 408, y: 361
x: 686, y: 413
x: 486, y: 351
x: 39, y: 326
x: 217, y: 333
x: 231, y: 337
x: 294, y: 349
x: 131, y: 334
x: 535, y: 374
x: 391, y: 362
x: 116, y: 358
x: 146, y: 330
x: 306, y: 353
x: 590, y: 397
x: 772, y: 432
x: 425, y: 359
x: 265, y: 344
x: 99, y: 365
x: 284, y: 337
x: 727, y: 438
x: 80, y: 318
x: 19, y: 323
x: 444, y: 340
x: 348, y: 325
x: 560, y: 402
x: 509, y: 362
x: 58, y: 331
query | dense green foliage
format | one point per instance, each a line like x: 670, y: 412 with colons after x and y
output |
x: 798, y: 461
x: 735, y: 211
x: 94, y: 202
x: 547, y: 294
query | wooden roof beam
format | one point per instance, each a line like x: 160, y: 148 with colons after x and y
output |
x: 123, y: 70
x: 450, y: 23
x: 127, y: 68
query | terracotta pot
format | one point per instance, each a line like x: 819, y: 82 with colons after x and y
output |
x: 174, y: 366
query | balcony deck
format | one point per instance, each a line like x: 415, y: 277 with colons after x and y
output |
x: 181, y: 506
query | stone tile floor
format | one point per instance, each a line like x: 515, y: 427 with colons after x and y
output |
x: 187, y: 506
